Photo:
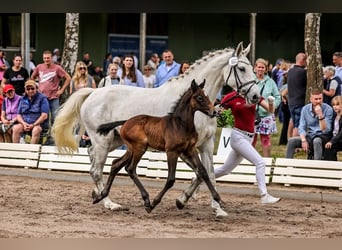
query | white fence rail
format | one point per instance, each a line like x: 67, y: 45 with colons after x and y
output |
x: 154, y: 165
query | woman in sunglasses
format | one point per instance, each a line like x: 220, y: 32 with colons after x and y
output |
x: 81, y: 78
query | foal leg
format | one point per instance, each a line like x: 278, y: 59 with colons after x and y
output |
x: 195, y: 163
x: 172, y: 158
x: 131, y: 170
x: 117, y: 165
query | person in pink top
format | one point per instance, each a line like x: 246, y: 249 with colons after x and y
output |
x: 242, y: 138
x: 49, y: 76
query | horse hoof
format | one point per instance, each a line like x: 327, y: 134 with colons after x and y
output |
x: 148, y: 209
x: 96, y: 197
x: 179, y: 204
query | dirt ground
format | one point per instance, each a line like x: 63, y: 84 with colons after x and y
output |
x: 42, y: 208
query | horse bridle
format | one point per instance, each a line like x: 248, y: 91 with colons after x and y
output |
x: 239, y: 83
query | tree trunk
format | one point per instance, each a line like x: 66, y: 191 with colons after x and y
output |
x: 313, y: 52
x: 70, y: 51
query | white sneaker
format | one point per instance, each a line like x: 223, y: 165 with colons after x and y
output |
x: 269, y: 199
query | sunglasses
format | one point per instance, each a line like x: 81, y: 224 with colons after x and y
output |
x: 9, y: 91
x: 30, y: 88
x: 80, y: 68
x: 147, y: 69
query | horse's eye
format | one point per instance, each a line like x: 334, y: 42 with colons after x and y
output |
x: 242, y: 69
x: 200, y: 98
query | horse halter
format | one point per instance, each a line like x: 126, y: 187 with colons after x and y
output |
x: 233, y: 61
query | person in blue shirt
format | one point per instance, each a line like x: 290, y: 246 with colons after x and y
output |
x: 314, y: 129
x: 130, y: 75
x: 33, y: 114
x: 166, y: 70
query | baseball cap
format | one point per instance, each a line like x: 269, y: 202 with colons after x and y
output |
x: 55, y: 50
x: 8, y: 87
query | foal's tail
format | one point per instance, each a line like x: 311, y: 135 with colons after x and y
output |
x: 104, y: 129
x: 68, y: 116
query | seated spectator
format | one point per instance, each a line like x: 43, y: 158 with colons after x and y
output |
x: 9, y: 113
x: 314, y: 128
x: 335, y: 143
x: 85, y: 140
x: 149, y: 77
x: 33, y: 113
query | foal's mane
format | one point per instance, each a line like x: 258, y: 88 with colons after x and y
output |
x: 183, y: 100
x: 195, y: 65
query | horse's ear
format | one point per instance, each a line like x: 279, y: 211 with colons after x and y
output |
x: 238, y: 49
x: 246, y: 50
x: 202, y: 84
x: 194, y: 85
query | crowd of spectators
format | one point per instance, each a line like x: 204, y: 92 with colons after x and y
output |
x: 314, y: 127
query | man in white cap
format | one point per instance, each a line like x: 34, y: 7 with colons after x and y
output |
x: 56, y: 55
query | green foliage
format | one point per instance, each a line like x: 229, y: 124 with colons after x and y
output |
x: 226, y: 119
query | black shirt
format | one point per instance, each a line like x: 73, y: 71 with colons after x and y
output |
x: 17, y: 79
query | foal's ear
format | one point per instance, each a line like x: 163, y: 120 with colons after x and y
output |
x: 202, y: 84
x: 194, y: 85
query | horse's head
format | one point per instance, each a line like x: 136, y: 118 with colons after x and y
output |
x: 240, y: 75
x: 200, y: 100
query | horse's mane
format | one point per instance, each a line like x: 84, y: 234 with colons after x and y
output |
x: 198, y: 62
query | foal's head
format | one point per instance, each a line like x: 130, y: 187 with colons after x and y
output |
x: 197, y: 100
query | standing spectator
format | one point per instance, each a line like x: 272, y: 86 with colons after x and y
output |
x: 266, y: 124
x: 275, y: 74
x: 56, y: 56
x: 131, y: 75
x: 89, y: 63
x: 136, y: 61
x: 16, y: 75
x: 314, y: 128
x: 335, y: 143
x: 32, y: 63
x: 166, y: 70
x: 49, y: 76
x: 81, y: 79
x: 296, y: 90
x: 107, y: 60
x: 33, y: 113
x: 337, y: 61
x: 332, y: 84
x: 98, y: 75
x: 153, y: 62
x: 3, y: 64
x: 117, y: 60
x: 287, y: 125
x: 184, y: 67
x: 149, y: 77
x: 9, y: 112
x: 112, y: 78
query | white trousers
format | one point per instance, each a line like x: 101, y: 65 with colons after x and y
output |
x: 242, y: 148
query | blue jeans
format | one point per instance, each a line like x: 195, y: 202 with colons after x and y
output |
x: 54, y: 105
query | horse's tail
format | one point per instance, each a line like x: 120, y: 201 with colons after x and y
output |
x: 104, y: 129
x: 67, y: 118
